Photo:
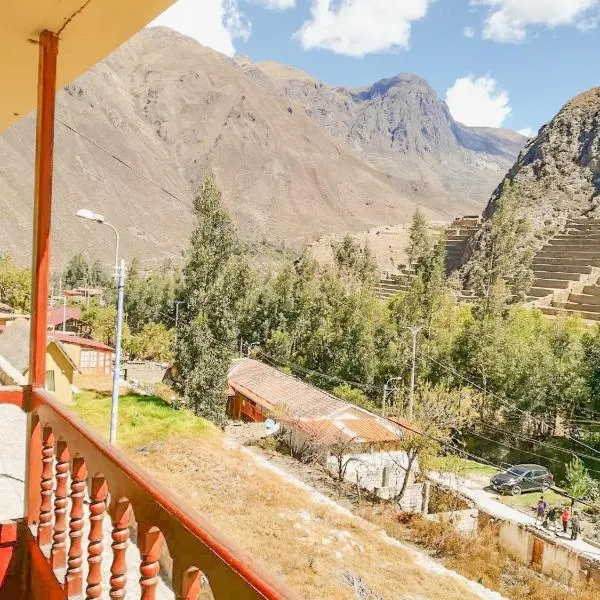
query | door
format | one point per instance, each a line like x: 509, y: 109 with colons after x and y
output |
x: 528, y: 482
x: 539, y: 478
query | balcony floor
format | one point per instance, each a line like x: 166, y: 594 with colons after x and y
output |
x: 12, y: 461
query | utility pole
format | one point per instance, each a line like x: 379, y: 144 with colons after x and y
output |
x: 414, y: 329
x: 64, y: 325
x: 387, y: 388
x: 177, y: 303
x: 241, y: 348
x: 114, y: 410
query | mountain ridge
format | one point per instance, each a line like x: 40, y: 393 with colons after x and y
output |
x: 136, y: 134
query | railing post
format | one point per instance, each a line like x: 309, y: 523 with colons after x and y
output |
x: 120, y: 536
x: 42, y: 208
x: 59, y: 547
x: 191, y: 584
x: 44, y: 533
x: 33, y: 471
x: 97, y: 510
x: 74, y: 576
x: 151, y: 547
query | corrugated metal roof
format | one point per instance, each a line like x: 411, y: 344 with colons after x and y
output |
x: 79, y: 341
x: 373, y: 430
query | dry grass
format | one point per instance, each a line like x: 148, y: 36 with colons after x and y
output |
x: 479, y: 558
x: 308, y: 543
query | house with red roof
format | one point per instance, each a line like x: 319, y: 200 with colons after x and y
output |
x: 92, y: 358
x: 355, y: 444
x: 65, y: 318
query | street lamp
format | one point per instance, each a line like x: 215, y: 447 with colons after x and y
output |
x: 414, y: 329
x: 386, y: 388
x: 84, y: 213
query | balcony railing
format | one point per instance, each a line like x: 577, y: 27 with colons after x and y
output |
x: 67, y: 465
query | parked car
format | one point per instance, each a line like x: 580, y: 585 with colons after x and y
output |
x: 522, y: 478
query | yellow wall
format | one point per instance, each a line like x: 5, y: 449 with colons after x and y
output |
x: 63, y: 373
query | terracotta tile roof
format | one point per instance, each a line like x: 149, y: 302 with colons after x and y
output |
x: 79, y: 341
x: 57, y: 315
x: 370, y: 430
x: 373, y: 430
x: 272, y: 388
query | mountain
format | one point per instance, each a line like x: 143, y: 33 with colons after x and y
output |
x: 557, y: 174
x: 295, y: 158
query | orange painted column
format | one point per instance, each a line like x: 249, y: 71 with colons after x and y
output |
x: 44, y: 149
x: 48, y: 51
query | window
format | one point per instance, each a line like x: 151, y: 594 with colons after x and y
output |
x: 50, y: 385
x: 89, y: 359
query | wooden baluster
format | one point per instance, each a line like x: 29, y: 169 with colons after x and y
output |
x: 120, y: 536
x: 192, y: 583
x: 152, y: 543
x: 95, y: 547
x: 44, y: 533
x: 74, y: 577
x: 58, y: 554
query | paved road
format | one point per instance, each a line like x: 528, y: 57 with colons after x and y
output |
x: 489, y: 501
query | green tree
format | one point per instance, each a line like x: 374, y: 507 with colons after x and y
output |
x: 420, y: 240
x: 77, y: 272
x: 499, y: 269
x: 153, y: 342
x: 15, y: 284
x: 355, y: 263
x: 215, y: 285
x: 354, y: 396
x: 99, y: 322
x: 578, y: 482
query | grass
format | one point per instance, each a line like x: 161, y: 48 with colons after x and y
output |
x: 142, y: 419
x: 462, y: 466
x: 528, y: 500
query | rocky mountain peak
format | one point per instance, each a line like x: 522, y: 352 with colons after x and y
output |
x: 557, y: 174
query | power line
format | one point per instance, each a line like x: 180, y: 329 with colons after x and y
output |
x: 480, y: 459
x: 541, y: 443
x: 313, y: 372
x: 506, y: 402
x: 125, y: 164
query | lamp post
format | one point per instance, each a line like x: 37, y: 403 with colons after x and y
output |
x: 414, y: 329
x: 386, y: 388
x: 120, y: 280
x: 84, y: 213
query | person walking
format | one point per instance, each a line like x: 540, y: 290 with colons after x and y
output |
x: 540, y: 510
x: 552, y: 519
x: 575, y: 525
x: 564, y: 517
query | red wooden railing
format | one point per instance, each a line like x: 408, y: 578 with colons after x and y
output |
x: 62, y: 448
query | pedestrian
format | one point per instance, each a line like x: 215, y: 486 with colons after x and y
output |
x: 564, y: 517
x: 575, y: 525
x: 553, y: 515
x: 540, y: 510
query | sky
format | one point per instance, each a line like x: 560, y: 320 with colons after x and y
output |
x: 497, y: 63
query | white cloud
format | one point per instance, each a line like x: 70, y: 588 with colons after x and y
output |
x: 214, y: 23
x: 277, y: 4
x: 469, y: 32
x: 478, y: 102
x: 359, y: 27
x: 528, y: 132
x: 509, y: 20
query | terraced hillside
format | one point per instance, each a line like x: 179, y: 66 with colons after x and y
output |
x: 566, y: 270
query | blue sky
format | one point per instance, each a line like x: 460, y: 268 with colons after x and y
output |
x: 510, y: 63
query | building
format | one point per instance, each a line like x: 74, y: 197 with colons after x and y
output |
x: 91, y: 357
x: 355, y: 444
x: 65, y: 318
x: 83, y: 295
x: 14, y: 350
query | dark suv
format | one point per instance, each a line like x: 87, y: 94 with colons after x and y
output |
x: 522, y: 478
